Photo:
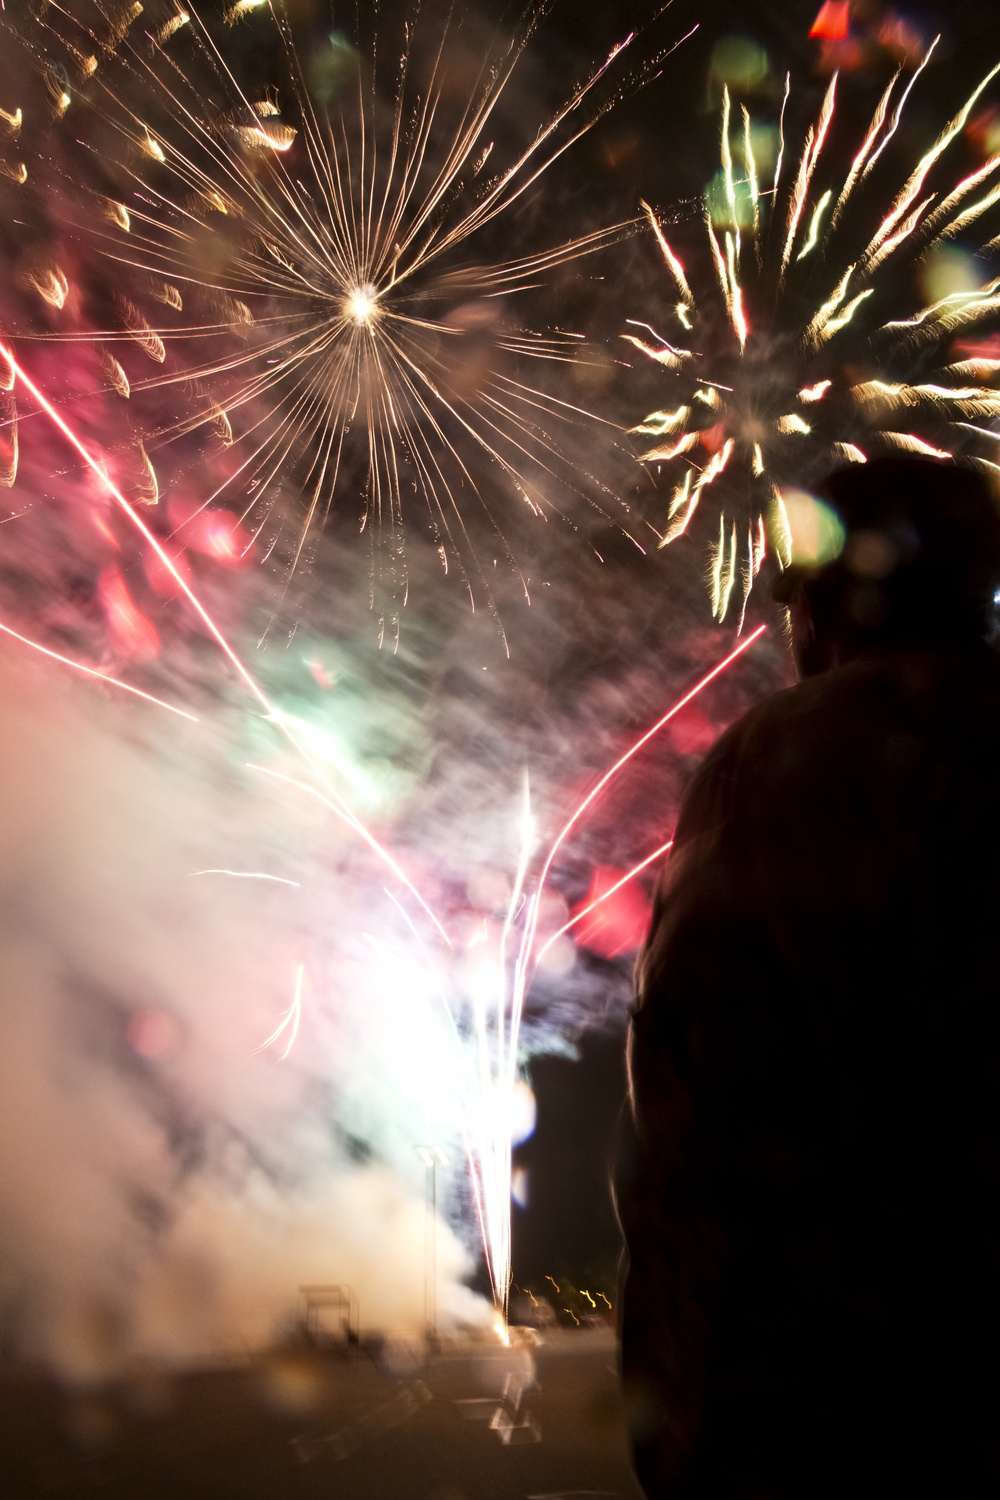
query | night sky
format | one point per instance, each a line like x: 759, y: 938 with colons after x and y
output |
x: 448, y: 722
x: 568, y: 1226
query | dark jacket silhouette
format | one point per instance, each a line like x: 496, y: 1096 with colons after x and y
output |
x: 810, y: 1182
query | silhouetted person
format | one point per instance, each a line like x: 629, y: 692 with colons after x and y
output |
x: 809, y: 1184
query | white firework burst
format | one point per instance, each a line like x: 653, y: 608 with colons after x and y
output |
x: 316, y: 270
x: 799, y: 337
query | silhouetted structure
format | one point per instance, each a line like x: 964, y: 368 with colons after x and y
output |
x: 319, y: 1306
x: 809, y: 1184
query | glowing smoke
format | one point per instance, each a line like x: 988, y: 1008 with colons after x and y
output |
x: 167, y: 1184
x: 170, y: 1180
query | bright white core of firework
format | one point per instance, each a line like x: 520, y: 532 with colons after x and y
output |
x: 361, y: 305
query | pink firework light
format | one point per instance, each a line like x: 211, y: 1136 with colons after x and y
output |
x: 79, y: 666
x: 336, y: 801
x: 307, y: 288
x: 494, y: 1165
x: 811, y: 321
x: 497, y: 1008
x: 497, y: 1015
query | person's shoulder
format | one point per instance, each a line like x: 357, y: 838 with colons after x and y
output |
x: 839, y: 721
x: 960, y: 682
x: 869, y: 685
x: 718, y: 781
x: 768, y: 719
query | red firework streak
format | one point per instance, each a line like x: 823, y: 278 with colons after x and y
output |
x: 221, y: 538
x: 341, y: 807
x: 170, y: 566
x: 599, y: 787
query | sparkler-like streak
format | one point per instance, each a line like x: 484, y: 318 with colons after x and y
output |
x: 797, y: 352
x: 498, y: 1020
x: 290, y: 1020
x: 311, y: 293
x: 592, y: 906
x: 115, y: 682
x: 329, y: 795
x: 310, y: 289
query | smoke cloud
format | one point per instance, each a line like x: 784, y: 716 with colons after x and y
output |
x: 166, y: 1183
x: 168, y: 1178
x: 226, y: 1027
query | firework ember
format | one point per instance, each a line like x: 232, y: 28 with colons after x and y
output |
x: 229, y: 306
x: 519, y: 951
x: 807, y: 330
x: 473, y: 1008
x: 292, y: 295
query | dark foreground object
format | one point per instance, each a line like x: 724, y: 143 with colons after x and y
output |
x: 810, y: 1176
x: 811, y: 1206
x: 476, y: 1422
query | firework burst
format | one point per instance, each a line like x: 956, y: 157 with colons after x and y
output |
x: 298, y: 292
x: 808, y: 339
x: 479, y: 995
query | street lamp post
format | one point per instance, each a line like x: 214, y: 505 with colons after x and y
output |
x: 432, y: 1157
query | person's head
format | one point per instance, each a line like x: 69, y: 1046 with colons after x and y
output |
x: 919, y: 566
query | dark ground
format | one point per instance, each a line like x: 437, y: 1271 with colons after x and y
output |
x: 468, y: 1425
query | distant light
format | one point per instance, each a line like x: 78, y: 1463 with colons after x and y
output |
x: 816, y: 531
x: 153, y: 1033
x: 523, y: 1113
x: 948, y: 270
x: 739, y: 62
x: 833, y: 21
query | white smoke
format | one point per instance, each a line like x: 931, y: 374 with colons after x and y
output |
x: 165, y: 1184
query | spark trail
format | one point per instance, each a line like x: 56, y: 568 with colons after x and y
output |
x: 799, y: 337
x: 499, y: 1014
x: 297, y: 286
x: 290, y: 298
x: 490, y: 1056
x: 331, y: 797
